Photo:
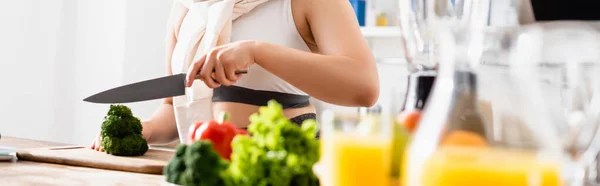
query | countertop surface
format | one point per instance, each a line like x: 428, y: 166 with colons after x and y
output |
x: 34, y: 173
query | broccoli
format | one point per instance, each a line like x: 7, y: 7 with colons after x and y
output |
x: 176, y: 166
x: 117, y: 126
x: 132, y: 145
x: 196, y: 164
x: 122, y: 133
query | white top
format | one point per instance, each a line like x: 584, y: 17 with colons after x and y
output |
x: 269, y: 22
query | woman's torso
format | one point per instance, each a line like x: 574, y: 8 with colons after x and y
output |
x: 277, y: 21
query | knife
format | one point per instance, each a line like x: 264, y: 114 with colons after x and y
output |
x: 168, y: 86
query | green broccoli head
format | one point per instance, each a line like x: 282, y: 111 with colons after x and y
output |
x: 180, y: 150
x: 120, y: 110
x: 117, y: 126
x: 122, y: 133
x: 196, y: 164
x: 131, y: 145
x: 176, y: 165
x: 174, y: 170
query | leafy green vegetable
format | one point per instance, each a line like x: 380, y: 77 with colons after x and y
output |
x: 196, y: 164
x: 122, y: 133
x: 278, y: 153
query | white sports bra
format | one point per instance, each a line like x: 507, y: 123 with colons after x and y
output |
x: 269, y: 22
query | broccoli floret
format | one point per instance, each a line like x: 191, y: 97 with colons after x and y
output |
x: 176, y: 166
x: 174, y: 170
x: 117, y: 126
x: 119, y: 110
x: 180, y: 150
x: 122, y: 133
x: 132, y: 145
x: 196, y: 165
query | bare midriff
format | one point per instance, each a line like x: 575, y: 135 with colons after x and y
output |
x: 240, y: 113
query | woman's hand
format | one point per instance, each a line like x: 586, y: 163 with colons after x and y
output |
x: 223, y: 61
x: 97, y: 144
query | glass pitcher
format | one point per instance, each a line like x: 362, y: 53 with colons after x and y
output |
x: 454, y: 145
x: 558, y: 70
x: 420, y: 45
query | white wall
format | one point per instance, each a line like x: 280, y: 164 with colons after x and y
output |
x: 144, y: 48
x: 54, y: 53
x: 27, y: 60
x: 99, y: 50
x: 127, y: 45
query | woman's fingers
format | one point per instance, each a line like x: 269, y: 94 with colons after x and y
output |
x: 93, y: 146
x: 220, y: 75
x: 238, y: 76
x: 230, y: 71
x: 207, y: 70
x: 193, y: 70
x: 213, y: 69
x: 97, y: 144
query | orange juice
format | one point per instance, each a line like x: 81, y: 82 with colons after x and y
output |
x: 358, y: 160
x: 472, y: 166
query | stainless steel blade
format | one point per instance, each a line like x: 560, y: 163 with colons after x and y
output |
x: 169, y: 86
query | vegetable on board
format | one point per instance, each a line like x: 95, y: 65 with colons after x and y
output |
x: 122, y: 133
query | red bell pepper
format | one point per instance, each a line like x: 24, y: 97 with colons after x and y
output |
x: 220, y: 133
x: 242, y: 131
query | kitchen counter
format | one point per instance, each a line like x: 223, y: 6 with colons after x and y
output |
x: 34, y: 173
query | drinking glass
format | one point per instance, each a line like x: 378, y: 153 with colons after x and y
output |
x: 419, y: 20
x: 357, y: 148
x: 556, y: 71
x: 195, y: 106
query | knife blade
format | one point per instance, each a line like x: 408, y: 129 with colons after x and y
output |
x: 163, y: 87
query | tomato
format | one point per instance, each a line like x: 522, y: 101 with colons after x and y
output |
x: 242, y: 131
x: 220, y: 133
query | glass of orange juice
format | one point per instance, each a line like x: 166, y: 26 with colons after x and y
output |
x: 356, y: 149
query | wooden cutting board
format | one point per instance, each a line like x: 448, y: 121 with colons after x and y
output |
x: 150, y: 163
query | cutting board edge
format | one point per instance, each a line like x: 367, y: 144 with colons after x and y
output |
x: 146, y: 169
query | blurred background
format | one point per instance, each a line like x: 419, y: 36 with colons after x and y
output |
x: 54, y: 53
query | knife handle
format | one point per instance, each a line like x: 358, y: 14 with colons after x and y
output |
x: 237, y: 72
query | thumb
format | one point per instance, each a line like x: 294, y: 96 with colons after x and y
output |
x: 193, y: 71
